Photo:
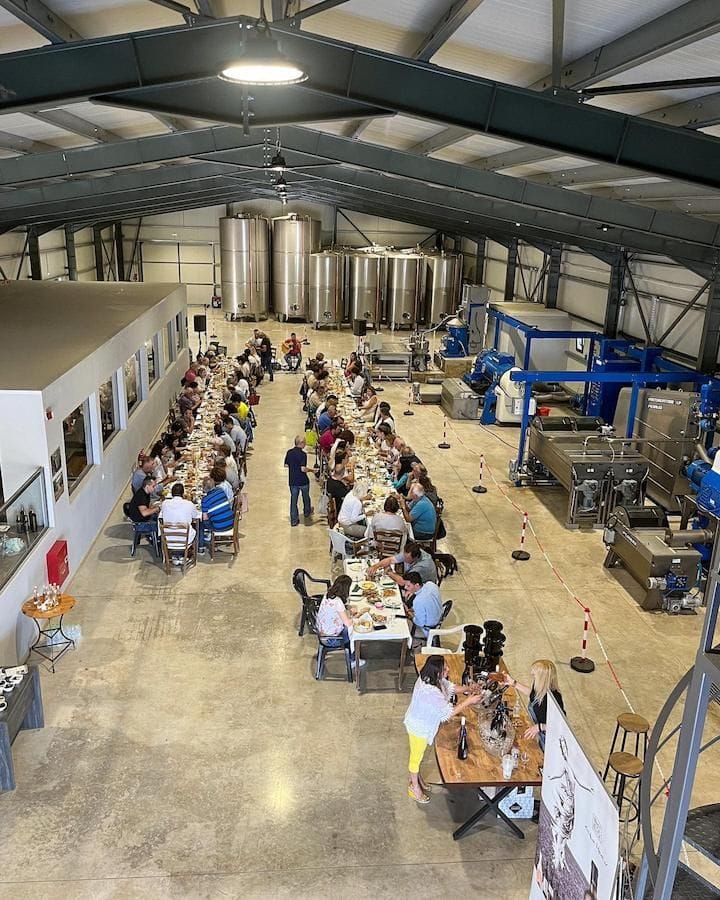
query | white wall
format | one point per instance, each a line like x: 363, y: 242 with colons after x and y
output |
x: 78, y: 517
x: 495, y: 267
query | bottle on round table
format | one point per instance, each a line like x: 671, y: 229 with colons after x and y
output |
x: 462, y: 750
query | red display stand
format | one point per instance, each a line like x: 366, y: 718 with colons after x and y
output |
x: 58, y: 568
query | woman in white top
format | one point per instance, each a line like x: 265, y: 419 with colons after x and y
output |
x: 332, y: 619
x: 429, y: 708
x: 351, y: 517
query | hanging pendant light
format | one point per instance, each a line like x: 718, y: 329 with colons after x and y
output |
x: 277, y: 163
x: 261, y: 60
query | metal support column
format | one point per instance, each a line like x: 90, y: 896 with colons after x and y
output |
x: 553, y: 276
x: 98, y: 248
x: 511, y: 271
x: 615, y: 295
x: 480, y: 247
x: 70, y: 253
x: 34, y: 254
x: 119, y: 251
x: 707, y: 360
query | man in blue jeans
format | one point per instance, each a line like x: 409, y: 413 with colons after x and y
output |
x: 296, y: 464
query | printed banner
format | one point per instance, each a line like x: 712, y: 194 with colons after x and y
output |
x: 578, y: 831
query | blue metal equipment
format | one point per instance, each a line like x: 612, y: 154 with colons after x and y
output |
x: 455, y: 343
x: 489, y: 367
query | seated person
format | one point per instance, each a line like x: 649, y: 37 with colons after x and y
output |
x: 328, y: 438
x: 402, y: 468
x: 163, y: 469
x: 292, y: 349
x: 337, y: 486
x: 237, y: 433
x: 429, y: 488
x: 332, y: 618
x: 351, y: 516
x: 383, y: 417
x: 326, y: 418
x: 315, y: 398
x: 176, y: 510
x: 223, y: 438
x: 357, y: 382
x: 351, y: 364
x: 420, y: 512
x: 217, y: 514
x: 422, y: 603
x: 331, y: 398
x: 369, y: 404
x: 141, y: 510
x: 188, y: 402
x: 146, y: 467
x: 217, y: 473
x: 223, y: 456
x: 388, y: 520
x: 413, y: 558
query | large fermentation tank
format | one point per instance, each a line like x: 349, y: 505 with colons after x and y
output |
x: 245, y: 266
x: 404, y: 279
x: 326, y: 288
x: 365, y: 274
x: 294, y: 239
x: 443, y: 275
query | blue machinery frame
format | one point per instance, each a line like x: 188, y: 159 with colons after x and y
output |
x: 669, y: 372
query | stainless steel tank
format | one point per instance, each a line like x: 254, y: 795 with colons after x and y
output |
x: 244, y: 267
x: 443, y: 277
x: 326, y: 288
x: 294, y: 239
x: 366, y: 286
x: 405, y: 273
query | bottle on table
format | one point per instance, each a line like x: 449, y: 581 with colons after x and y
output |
x: 32, y: 520
x: 462, y: 750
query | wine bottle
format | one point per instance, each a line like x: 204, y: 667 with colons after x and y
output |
x: 32, y: 519
x: 466, y: 675
x: 462, y: 751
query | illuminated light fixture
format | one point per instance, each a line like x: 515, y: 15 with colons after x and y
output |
x: 261, y: 60
x: 281, y: 184
x: 277, y: 163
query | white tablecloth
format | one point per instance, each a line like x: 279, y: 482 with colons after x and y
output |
x: 397, y: 629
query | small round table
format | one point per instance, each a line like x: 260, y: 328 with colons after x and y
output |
x: 66, y: 603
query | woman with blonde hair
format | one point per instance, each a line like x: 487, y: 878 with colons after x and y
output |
x: 544, y: 682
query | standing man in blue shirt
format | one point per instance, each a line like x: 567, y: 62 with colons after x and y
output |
x: 296, y: 464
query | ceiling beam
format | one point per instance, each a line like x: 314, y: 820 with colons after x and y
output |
x: 658, y: 191
x: 207, y: 8
x: 313, y: 10
x: 445, y: 27
x: 278, y: 9
x: 489, y: 199
x: 677, y: 28
x: 583, y: 175
x: 68, y: 121
x: 439, y: 141
x: 442, y: 31
x: 521, y: 156
x: 41, y: 19
x: 701, y: 112
x: 22, y: 145
x: 558, y: 40
x: 125, y: 67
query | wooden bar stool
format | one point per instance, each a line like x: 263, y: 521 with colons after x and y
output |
x: 625, y: 766
x: 629, y: 723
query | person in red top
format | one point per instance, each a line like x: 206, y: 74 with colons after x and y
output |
x: 328, y: 437
x: 292, y: 348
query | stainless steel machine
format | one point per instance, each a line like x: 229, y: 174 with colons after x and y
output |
x: 245, y: 267
x: 663, y: 562
x: 458, y: 399
x: 597, y: 470
x: 294, y: 239
x: 666, y: 425
x: 365, y: 273
x: 326, y: 288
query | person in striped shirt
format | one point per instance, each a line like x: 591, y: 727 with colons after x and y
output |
x: 217, y: 514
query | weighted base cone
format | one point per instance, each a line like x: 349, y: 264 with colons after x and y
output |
x: 408, y: 412
x: 520, y: 554
x: 479, y: 489
x: 444, y: 446
x: 582, y: 664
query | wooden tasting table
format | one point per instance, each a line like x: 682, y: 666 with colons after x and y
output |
x: 46, y: 615
x: 481, y: 770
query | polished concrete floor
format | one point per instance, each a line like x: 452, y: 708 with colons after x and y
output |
x: 189, y: 752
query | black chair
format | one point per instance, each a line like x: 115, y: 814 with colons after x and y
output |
x: 138, y: 535
x: 310, y: 602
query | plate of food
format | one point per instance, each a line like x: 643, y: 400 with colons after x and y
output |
x: 368, y: 587
x: 363, y: 625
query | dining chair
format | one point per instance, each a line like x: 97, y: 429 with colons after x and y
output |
x: 435, y: 635
x: 228, y: 538
x: 389, y: 543
x: 175, y: 542
x: 310, y: 602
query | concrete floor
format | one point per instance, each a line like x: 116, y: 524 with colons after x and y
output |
x: 188, y: 751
